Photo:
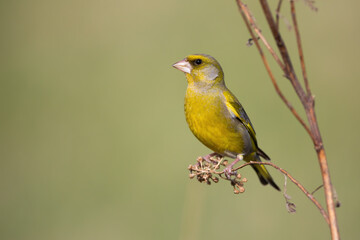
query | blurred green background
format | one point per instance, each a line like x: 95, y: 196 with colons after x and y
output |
x: 94, y: 144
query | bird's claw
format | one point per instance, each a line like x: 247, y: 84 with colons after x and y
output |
x: 208, y: 157
x: 229, y: 172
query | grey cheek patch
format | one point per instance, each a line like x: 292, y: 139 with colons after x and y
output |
x: 212, y: 72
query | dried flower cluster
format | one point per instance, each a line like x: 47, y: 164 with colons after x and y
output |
x: 206, y: 171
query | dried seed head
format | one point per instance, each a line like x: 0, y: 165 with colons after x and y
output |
x: 225, y: 162
x: 238, y: 176
x: 241, y: 189
x: 244, y: 179
x: 240, y: 184
x: 192, y: 175
x: 236, y: 191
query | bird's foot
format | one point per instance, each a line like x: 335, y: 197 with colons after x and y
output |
x: 229, y: 171
x: 208, y: 157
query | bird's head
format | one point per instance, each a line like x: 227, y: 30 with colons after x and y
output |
x: 201, y: 69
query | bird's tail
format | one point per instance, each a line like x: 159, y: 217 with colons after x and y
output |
x: 263, y: 174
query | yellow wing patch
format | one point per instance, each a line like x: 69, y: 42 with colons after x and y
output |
x: 237, y: 111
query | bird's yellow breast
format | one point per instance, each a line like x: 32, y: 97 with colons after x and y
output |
x: 211, y: 122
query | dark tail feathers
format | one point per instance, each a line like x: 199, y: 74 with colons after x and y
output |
x: 264, y: 176
x: 262, y: 154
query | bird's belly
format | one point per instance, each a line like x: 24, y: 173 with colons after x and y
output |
x: 216, y: 129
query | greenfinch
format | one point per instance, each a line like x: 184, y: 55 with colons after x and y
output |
x: 217, y: 118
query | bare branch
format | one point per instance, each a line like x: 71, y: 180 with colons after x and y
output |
x: 301, y: 54
x: 289, y: 69
x: 306, y: 98
x: 278, y: 14
x: 316, y: 189
x: 247, y: 17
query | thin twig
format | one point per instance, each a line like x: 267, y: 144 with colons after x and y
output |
x: 278, y: 14
x: 316, y: 189
x: 289, y: 69
x: 301, y: 53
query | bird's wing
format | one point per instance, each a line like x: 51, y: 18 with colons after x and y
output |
x: 238, y: 112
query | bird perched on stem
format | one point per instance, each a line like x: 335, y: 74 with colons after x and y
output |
x: 217, y: 118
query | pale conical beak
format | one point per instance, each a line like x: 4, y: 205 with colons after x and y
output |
x: 183, y: 66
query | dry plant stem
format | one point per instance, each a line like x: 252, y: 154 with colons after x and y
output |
x: 310, y: 112
x: 301, y: 54
x: 316, y: 189
x: 278, y: 14
x: 329, y: 195
x: 297, y: 183
x: 306, y: 98
x: 289, y: 69
x: 248, y: 18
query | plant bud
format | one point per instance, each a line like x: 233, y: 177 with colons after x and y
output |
x: 215, y: 179
x: 192, y: 175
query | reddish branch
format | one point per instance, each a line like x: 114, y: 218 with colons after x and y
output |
x: 297, y: 183
x: 305, y: 96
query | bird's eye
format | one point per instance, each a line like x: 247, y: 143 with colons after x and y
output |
x: 198, y: 61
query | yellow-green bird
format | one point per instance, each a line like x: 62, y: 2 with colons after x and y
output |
x: 217, y: 118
